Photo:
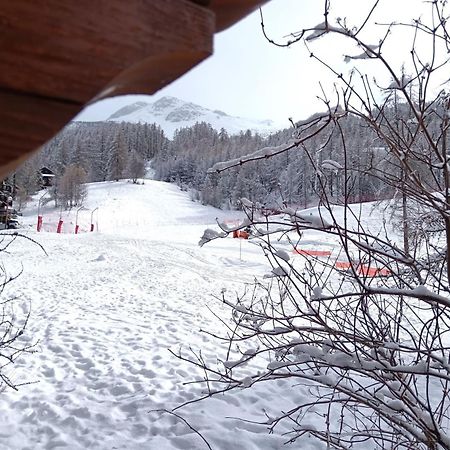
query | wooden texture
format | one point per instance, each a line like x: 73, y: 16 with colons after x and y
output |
x: 25, y: 124
x: 73, y: 49
x: 228, y: 12
x: 58, y: 55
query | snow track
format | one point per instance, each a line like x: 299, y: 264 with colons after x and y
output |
x: 106, y: 309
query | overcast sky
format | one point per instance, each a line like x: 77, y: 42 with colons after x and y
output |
x: 249, y: 77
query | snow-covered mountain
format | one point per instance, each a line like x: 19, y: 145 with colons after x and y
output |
x: 172, y: 113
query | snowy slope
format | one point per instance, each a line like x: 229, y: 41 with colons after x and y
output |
x: 107, y: 306
x: 172, y: 113
x: 106, y: 309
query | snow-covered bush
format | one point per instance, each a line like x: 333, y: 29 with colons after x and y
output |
x: 71, y: 186
x: 13, y: 322
x: 367, y: 329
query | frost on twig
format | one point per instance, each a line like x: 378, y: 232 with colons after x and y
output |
x: 330, y: 164
x: 209, y: 235
x: 320, y: 30
x: 265, y: 152
x: 370, y: 52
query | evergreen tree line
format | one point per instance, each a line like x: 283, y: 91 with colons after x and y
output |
x: 301, y: 177
x: 108, y: 151
x: 90, y: 152
x: 296, y: 178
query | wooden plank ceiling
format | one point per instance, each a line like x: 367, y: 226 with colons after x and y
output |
x: 58, y: 55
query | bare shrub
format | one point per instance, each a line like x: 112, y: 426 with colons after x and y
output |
x: 71, y: 186
x: 366, y: 330
x: 13, y: 321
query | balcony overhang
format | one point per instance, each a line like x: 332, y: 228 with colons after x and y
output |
x: 60, y: 55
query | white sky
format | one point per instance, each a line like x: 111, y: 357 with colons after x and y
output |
x: 249, y: 77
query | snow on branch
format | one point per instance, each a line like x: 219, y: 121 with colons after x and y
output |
x: 321, y: 29
x: 262, y: 153
x: 370, y: 52
x: 305, y: 129
x: 309, y: 218
x: 209, y: 235
x: 330, y: 164
x: 235, y: 226
x: 420, y: 292
x: 400, y: 83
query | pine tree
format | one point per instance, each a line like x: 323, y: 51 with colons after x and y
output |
x: 118, y: 157
x: 136, y: 166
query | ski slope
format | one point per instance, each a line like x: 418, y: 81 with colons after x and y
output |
x: 106, y: 308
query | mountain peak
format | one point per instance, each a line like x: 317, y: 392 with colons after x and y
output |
x: 166, y: 103
x: 172, y: 113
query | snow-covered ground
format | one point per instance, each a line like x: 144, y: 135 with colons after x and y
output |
x: 107, y: 306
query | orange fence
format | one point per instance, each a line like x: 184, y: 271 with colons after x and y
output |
x: 240, y: 234
x: 343, y: 265
x: 319, y: 253
x: 362, y: 269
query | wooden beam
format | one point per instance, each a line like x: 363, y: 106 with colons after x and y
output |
x: 228, y: 12
x: 139, y: 78
x: 57, y: 55
x: 27, y: 122
x: 72, y: 50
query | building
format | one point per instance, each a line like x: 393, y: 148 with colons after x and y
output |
x: 47, y: 176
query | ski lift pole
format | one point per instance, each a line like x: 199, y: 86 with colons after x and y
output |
x: 92, y: 219
x: 39, y: 217
x: 77, y: 227
x: 60, y: 223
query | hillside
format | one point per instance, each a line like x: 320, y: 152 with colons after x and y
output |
x: 110, y: 309
x: 106, y: 307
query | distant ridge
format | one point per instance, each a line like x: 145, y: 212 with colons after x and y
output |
x: 172, y: 113
x: 127, y: 110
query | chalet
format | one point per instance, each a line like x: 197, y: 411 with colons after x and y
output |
x: 46, y: 177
